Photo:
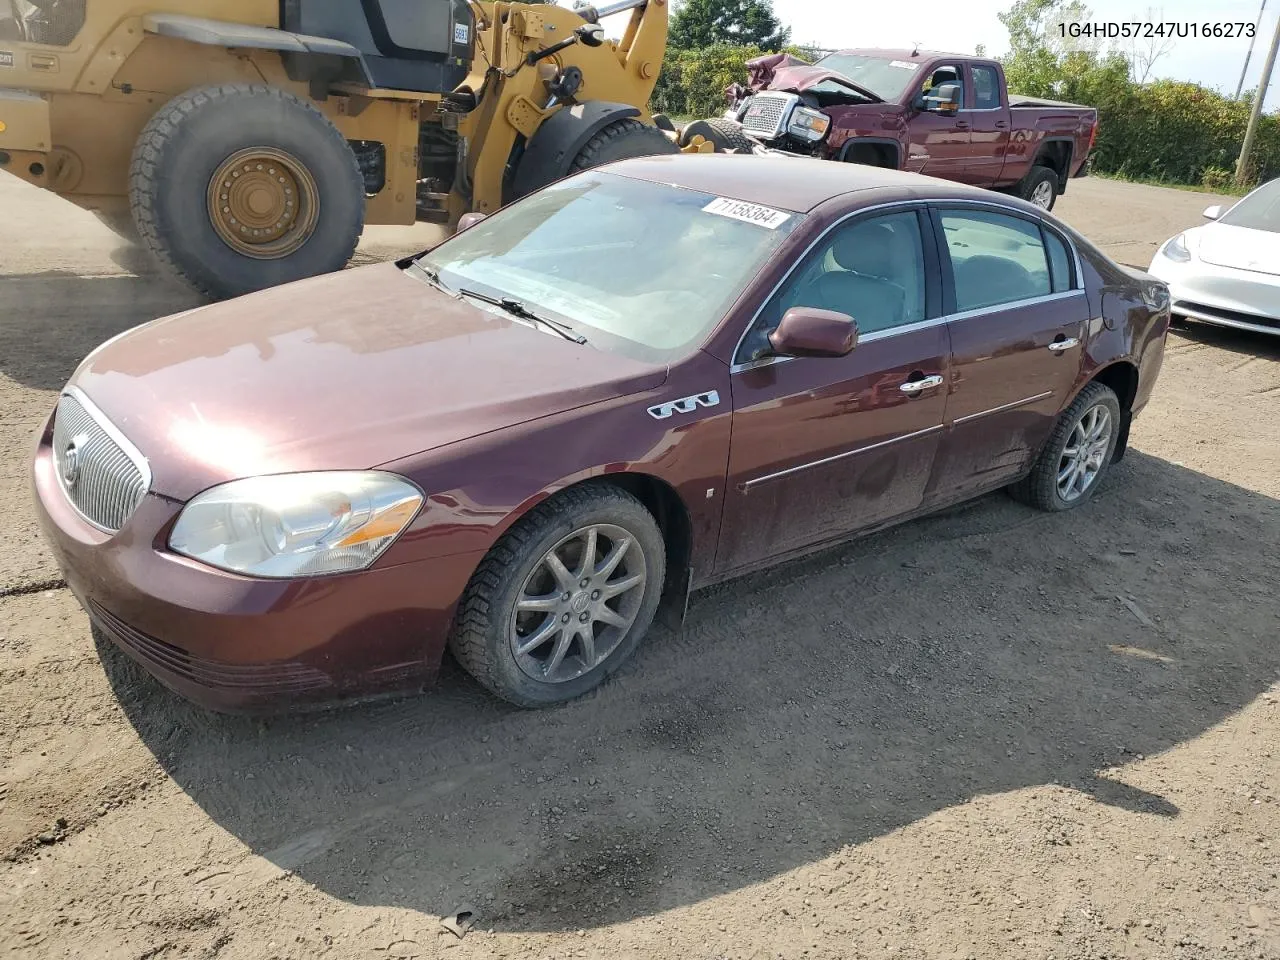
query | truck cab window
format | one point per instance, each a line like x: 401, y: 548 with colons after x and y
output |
x: 949, y: 74
x: 986, y: 88
x: 51, y: 22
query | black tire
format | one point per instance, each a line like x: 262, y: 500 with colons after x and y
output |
x: 186, y: 142
x: 663, y: 122
x: 1040, y: 488
x: 622, y: 140
x: 1031, y: 183
x: 725, y: 134
x: 481, y: 639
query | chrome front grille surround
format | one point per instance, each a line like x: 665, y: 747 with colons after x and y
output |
x: 768, y: 114
x: 103, y: 475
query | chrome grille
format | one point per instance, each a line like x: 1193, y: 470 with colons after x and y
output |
x: 101, y: 472
x: 767, y: 114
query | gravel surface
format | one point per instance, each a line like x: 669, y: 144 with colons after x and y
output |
x: 991, y: 733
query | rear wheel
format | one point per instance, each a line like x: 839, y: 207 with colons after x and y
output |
x: 622, y: 140
x: 1040, y: 187
x: 1077, y: 454
x: 244, y: 186
x: 563, y: 599
x: 725, y: 134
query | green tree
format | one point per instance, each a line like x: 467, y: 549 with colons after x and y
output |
x: 698, y: 24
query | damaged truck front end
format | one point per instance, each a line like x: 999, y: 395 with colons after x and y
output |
x: 789, y: 106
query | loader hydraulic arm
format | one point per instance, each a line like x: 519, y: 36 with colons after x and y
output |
x: 522, y: 50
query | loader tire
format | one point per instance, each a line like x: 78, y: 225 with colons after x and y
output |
x: 240, y: 187
x: 622, y: 140
x: 725, y: 134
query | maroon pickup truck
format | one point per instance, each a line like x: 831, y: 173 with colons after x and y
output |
x: 942, y: 114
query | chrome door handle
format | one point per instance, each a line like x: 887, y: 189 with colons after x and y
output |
x: 1059, y: 345
x: 915, y: 386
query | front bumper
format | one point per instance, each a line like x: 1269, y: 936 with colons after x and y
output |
x: 1224, y: 296
x: 236, y: 644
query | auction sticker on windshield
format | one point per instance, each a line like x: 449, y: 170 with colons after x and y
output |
x: 747, y: 212
x: 903, y: 64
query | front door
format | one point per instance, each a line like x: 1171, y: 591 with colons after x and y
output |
x: 822, y: 447
x: 937, y: 144
x: 1018, y: 335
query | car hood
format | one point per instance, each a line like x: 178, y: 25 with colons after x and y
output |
x: 344, y: 371
x: 1224, y: 245
x: 786, y: 73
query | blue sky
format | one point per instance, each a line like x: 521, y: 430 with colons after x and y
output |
x: 1212, y: 62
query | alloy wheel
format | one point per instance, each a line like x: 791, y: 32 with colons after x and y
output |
x: 577, y: 605
x: 1085, y: 453
x: 1042, y: 195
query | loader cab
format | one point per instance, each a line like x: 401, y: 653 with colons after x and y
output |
x: 53, y: 23
x: 426, y: 46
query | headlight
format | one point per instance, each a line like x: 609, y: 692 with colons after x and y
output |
x: 296, y: 524
x: 1176, y: 249
x: 808, y: 124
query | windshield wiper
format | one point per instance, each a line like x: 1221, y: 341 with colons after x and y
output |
x: 432, y: 277
x: 518, y: 309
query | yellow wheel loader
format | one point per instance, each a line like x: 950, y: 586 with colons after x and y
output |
x: 248, y: 142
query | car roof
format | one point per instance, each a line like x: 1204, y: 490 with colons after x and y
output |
x: 797, y: 184
x: 906, y: 53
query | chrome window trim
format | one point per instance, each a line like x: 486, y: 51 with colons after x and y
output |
x: 124, y: 443
x: 746, y: 487
x: 1076, y: 288
x: 1002, y: 408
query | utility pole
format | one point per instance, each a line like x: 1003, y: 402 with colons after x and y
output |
x: 1245, y: 68
x: 1242, y: 165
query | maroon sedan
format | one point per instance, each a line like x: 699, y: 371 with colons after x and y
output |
x: 528, y: 441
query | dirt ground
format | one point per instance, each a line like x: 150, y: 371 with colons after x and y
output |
x: 993, y: 733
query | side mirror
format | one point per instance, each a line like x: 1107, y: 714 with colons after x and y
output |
x: 1213, y: 212
x: 945, y: 99
x: 469, y: 220
x: 809, y: 332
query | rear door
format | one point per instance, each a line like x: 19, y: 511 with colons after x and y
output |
x: 989, y: 125
x: 1019, y: 318
x: 938, y: 145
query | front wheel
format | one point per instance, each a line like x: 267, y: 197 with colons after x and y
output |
x: 563, y: 599
x: 1077, y: 454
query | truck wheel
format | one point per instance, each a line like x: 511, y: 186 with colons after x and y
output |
x: 563, y: 598
x: 622, y: 140
x: 240, y: 187
x: 1040, y: 187
x: 725, y: 134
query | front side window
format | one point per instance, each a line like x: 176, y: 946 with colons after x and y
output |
x: 986, y: 88
x: 646, y: 269
x: 949, y: 74
x: 995, y: 258
x: 872, y: 270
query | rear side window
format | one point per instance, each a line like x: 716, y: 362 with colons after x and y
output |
x: 986, y: 88
x: 1059, y: 262
x: 995, y: 258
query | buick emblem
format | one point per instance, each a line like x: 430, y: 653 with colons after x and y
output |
x: 71, y: 461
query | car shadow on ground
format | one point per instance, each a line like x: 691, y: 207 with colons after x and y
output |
x: 41, y: 347
x: 819, y: 705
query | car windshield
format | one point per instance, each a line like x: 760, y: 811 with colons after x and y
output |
x: 884, y: 77
x: 1260, y: 210
x: 645, y: 269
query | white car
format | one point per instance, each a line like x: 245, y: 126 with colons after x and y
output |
x: 1228, y: 272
